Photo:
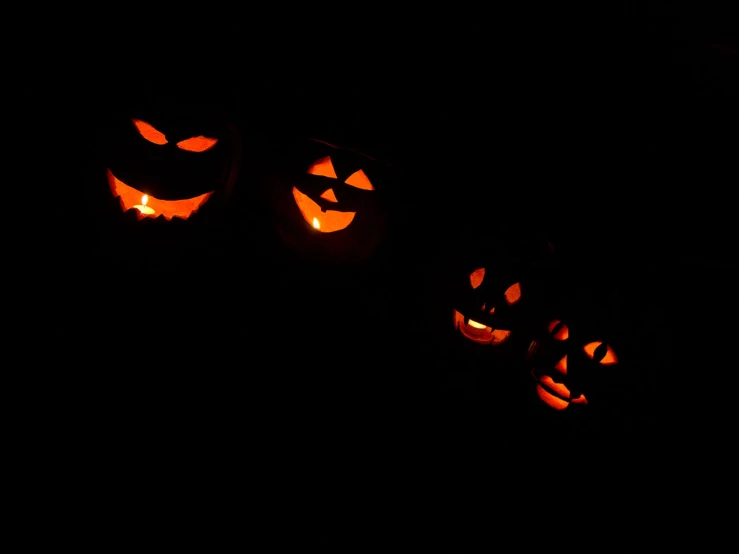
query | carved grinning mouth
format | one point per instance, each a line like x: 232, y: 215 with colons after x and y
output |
x: 325, y: 221
x: 478, y: 332
x: 131, y: 197
x: 555, y: 394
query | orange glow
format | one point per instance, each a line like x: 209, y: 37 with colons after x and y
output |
x: 197, y: 144
x: 149, y: 132
x: 499, y: 335
x: 563, y: 333
x: 513, y: 293
x: 608, y: 359
x: 329, y: 195
x: 323, y: 167
x: 328, y: 221
x: 360, y: 180
x: 143, y: 208
x: 550, y: 399
x: 476, y: 277
x: 492, y: 310
x: 590, y: 348
x: 131, y: 198
x: 559, y: 388
x: 477, y: 332
x: 556, y: 395
x: 562, y: 365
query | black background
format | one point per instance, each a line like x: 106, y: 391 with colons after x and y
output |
x: 610, y: 132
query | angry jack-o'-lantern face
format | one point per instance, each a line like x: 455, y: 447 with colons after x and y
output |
x: 172, y: 164
x: 318, y: 212
x: 483, y: 324
x: 561, y: 373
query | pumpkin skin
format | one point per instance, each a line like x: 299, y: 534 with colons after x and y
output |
x: 171, y: 160
x: 327, y: 202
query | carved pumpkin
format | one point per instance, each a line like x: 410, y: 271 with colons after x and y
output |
x: 558, y: 372
x: 328, y: 201
x: 575, y: 360
x: 170, y: 160
x: 489, y: 286
x: 486, y: 327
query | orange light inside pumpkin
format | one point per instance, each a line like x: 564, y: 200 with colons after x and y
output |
x: 143, y: 208
x: 556, y: 395
x: 608, y: 357
x: 197, y: 144
x: 153, y: 135
x: 130, y: 198
x: 148, y: 131
x: 479, y: 332
x: 558, y: 330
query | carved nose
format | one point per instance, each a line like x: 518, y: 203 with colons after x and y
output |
x: 329, y: 195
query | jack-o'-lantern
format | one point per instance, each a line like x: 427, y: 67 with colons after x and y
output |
x: 328, y: 201
x: 168, y: 161
x: 489, y: 287
x: 576, y: 359
x: 492, y: 314
x: 483, y: 295
x: 562, y: 373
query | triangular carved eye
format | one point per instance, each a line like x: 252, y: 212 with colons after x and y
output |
x: 323, y: 168
x: 360, y: 180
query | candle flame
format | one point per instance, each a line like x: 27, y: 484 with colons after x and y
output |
x: 316, y: 225
x: 144, y: 200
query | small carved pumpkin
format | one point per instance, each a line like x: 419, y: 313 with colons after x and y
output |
x: 493, y: 289
x: 486, y: 327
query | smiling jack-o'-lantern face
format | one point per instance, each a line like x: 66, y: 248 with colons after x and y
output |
x: 329, y: 201
x: 171, y: 163
x: 484, y: 328
x: 560, y: 385
x: 317, y: 213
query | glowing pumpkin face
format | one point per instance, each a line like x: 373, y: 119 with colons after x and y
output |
x: 561, y: 373
x: 317, y: 212
x: 170, y: 163
x: 328, y: 201
x: 487, y: 323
